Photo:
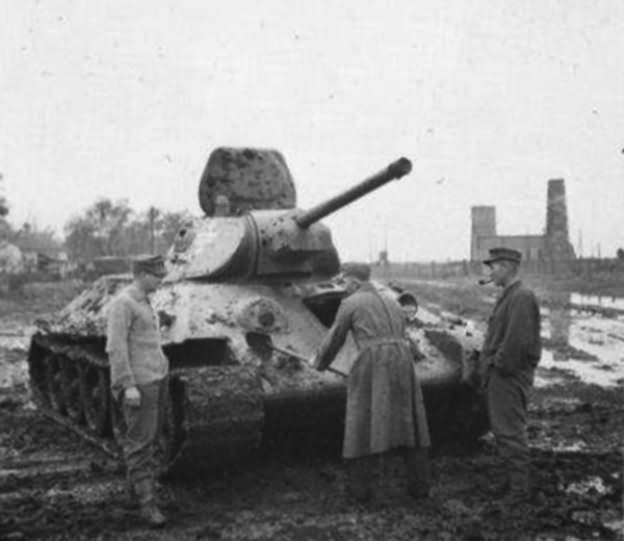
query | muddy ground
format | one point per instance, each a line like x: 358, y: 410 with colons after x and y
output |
x: 54, y: 486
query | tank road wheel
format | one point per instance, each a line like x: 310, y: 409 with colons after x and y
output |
x: 94, y: 395
x: 70, y: 387
x: 53, y: 378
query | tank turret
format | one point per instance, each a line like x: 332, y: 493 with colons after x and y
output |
x: 270, y: 242
x: 248, y: 178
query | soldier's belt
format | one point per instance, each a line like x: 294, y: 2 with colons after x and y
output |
x: 372, y: 342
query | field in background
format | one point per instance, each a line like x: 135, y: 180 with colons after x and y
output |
x: 603, y: 277
x: 38, y: 299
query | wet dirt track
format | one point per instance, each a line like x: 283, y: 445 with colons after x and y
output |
x: 54, y: 486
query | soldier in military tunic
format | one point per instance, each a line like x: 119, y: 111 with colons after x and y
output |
x: 385, y: 408
x: 509, y: 356
x: 139, y: 371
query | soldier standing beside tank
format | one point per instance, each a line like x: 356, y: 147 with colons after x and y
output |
x: 385, y: 409
x: 510, y: 353
x: 139, y: 371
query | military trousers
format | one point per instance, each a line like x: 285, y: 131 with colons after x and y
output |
x: 144, y: 424
x: 507, y: 399
x: 364, y: 472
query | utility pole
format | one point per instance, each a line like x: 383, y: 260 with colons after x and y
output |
x: 152, y: 219
x: 386, y: 240
x: 4, y: 207
x: 580, y: 242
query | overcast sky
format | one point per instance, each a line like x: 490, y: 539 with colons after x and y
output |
x: 488, y: 99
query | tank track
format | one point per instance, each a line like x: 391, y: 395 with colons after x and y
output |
x: 217, y: 411
x: 211, y: 410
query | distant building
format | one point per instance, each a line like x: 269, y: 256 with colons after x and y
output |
x: 383, y: 258
x: 553, y: 245
x: 11, y: 259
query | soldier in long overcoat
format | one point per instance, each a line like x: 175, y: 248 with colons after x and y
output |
x: 385, y: 408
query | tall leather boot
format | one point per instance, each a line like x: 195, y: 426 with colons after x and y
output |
x: 130, y: 493
x: 149, y: 511
x: 361, y: 474
x: 519, y: 492
x: 418, y: 472
x: 496, y: 485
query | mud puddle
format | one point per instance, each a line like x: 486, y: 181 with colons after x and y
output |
x: 585, y: 344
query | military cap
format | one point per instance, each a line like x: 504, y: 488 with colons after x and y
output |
x: 151, y: 264
x: 361, y: 271
x: 503, y: 254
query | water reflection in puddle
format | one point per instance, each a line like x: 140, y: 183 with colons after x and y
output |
x: 13, y: 373
x: 587, y: 346
x: 14, y: 343
x: 617, y: 303
x: 12, y: 337
x: 592, y: 484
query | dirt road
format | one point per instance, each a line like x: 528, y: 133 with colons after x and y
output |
x: 54, y: 486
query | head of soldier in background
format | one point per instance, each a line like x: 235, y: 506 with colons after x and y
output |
x: 148, y: 271
x: 503, y: 264
x: 222, y: 205
x: 409, y: 304
x: 5, y: 232
x: 354, y: 275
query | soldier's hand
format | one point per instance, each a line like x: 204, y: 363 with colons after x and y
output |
x: 132, y: 397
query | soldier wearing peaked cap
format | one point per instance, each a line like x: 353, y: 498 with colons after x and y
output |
x: 385, y: 408
x: 510, y: 353
x: 139, y: 378
x: 503, y: 254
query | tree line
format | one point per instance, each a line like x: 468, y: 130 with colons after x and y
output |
x: 113, y: 228
x: 106, y: 228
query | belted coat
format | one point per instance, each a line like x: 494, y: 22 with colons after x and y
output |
x: 385, y: 407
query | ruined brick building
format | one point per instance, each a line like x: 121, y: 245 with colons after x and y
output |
x: 554, y: 244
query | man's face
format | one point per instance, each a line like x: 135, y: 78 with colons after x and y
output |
x: 351, y: 284
x: 500, y: 272
x: 410, y: 309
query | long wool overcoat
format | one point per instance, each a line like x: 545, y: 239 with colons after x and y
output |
x: 385, y: 408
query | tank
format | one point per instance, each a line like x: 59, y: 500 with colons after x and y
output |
x: 251, y: 290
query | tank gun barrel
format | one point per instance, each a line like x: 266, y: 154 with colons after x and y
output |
x: 395, y: 170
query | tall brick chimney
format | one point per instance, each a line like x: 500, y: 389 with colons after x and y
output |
x: 557, y: 239
x: 483, y: 225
